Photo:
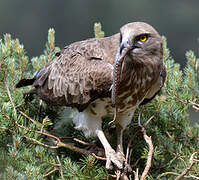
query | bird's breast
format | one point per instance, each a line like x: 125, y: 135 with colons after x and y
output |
x: 133, y: 89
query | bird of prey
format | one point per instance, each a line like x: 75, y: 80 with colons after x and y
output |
x: 84, y: 73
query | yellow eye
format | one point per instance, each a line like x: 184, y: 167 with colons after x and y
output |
x: 143, y: 38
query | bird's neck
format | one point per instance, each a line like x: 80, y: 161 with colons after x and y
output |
x: 140, y: 68
x: 136, y: 79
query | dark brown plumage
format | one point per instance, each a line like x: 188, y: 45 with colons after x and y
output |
x: 82, y: 74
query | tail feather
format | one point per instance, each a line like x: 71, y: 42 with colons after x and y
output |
x: 25, y: 82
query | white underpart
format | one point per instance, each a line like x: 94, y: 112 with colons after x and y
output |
x: 90, y: 124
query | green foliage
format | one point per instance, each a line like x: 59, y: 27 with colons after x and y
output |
x: 98, y: 30
x: 23, y: 154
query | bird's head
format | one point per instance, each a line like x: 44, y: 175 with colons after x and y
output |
x: 140, y: 40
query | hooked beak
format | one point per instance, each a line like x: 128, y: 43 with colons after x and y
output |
x: 124, y: 44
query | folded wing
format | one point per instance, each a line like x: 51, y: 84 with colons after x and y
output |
x: 78, y: 76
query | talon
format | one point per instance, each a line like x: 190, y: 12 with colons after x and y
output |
x: 115, y: 158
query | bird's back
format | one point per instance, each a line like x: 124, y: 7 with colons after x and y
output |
x: 80, y: 74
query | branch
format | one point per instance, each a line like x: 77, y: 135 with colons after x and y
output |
x: 29, y: 118
x: 128, y: 154
x: 49, y: 173
x: 193, y: 104
x: 61, y: 169
x: 195, y: 107
x: 10, y: 97
x: 150, y: 145
x: 58, y: 143
x: 191, y: 163
x: 150, y: 153
x: 136, y: 174
x: 98, y: 157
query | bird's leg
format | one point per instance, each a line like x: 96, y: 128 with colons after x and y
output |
x: 119, y: 130
x: 120, y: 151
x: 111, y: 155
x: 122, y: 122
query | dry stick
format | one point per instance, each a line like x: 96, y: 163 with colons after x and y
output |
x: 150, y: 153
x: 98, y: 157
x: 60, y: 167
x: 82, y: 142
x: 132, y: 138
x: 118, y: 173
x: 176, y: 174
x: 58, y: 144
x: 194, y: 104
x: 129, y: 145
x: 195, y: 107
x: 192, y: 176
x: 136, y: 174
x: 148, y: 141
x: 49, y: 173
x: 9, y: 95
x: 191, y: 163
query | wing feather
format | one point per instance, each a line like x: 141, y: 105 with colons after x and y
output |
x: 80, y: 74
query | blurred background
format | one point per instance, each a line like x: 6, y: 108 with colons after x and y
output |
x: 73, y: 21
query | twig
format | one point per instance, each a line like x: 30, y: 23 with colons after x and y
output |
x: 112, y: 175
x: 195, y: 107
x: 150, y: 153
x: 39, y: 143
x: 29, y: 118
x: 191, y: 163
x: 98, y: 157
x: 136, y: 174
x: 148, y: 121
x: 118, y: 174
x: 175, y: 174
x: 10, y: 97
x: 167, y: 173
x: 192, y: 176
x: 82, y: 142
x: 58, y: 144
x: 5, y: 129
x: 58, y: 141
x: 194, y: 104
x: 49, y: 173
x: 53, y: 164
x: 178, y: 156
x: 129, y: 145
x: 60, y: 167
